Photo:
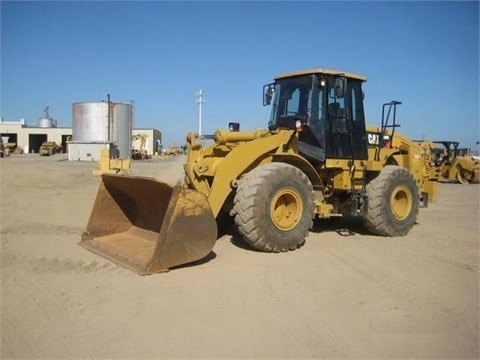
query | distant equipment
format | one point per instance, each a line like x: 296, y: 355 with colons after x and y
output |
x: 8, y: 147
x: 173, y: 150
x: 49, y: 148
x: 141, y: 153
x: 450, y: 163
x: 107, y: 165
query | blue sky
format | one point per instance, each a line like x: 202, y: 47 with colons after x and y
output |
x: 160, y: 53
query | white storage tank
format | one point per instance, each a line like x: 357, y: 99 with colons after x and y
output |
x: 104, y: 122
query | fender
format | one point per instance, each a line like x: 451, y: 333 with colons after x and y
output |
x: 224, y: 171
x: 239, y: 160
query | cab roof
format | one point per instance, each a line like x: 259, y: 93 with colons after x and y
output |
x: 320, y: 71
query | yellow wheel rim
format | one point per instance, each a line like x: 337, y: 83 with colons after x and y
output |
x: 286, y: 209
x: 401, y: 202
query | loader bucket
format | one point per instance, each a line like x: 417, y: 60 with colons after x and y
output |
x: 149, y: 226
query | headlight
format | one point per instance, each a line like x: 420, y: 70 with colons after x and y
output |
x: 299, y: 125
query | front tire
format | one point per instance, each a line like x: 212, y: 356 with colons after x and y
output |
x: 393, y: 202
x: 274, y: 207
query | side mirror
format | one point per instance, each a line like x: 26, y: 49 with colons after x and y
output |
x: 268, y: 91
x: 340, y: 86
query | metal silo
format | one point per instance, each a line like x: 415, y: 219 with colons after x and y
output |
x: 46, y: 121
x: 90, y: 122
x: 100, y: 122
x: 121, y: 128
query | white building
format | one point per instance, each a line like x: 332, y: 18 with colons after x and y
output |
x: 30, y: 138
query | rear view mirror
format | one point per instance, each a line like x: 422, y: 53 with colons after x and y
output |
x: 340, y: 87
x: 268, y: 91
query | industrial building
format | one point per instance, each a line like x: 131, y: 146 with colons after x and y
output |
x: 31, y: 138
x: 96, y: 126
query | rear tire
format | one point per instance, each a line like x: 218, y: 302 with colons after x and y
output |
x: 393, y: 202
x: 274, y: 207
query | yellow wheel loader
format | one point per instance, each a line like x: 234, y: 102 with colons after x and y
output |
x: 317, y: 159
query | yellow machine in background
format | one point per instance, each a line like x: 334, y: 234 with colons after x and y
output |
x: 141, y: 153
x: 107, y: 165
x: 10, y: 148
x: 317, y: 159
x: 173, y: 150
x: 49, y: 148
x: 449, y: 163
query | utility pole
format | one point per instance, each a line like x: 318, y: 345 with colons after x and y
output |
x: 200, y: 101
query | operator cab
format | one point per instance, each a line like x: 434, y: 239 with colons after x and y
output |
x: 328, y: 105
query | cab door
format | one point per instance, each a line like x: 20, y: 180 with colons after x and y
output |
x: 345, y: 126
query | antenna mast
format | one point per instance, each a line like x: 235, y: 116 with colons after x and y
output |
x: 200, y: 101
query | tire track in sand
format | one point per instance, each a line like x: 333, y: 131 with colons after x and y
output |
x: 50, y: 321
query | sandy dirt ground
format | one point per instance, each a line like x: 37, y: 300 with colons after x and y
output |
x: 345, y: 294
